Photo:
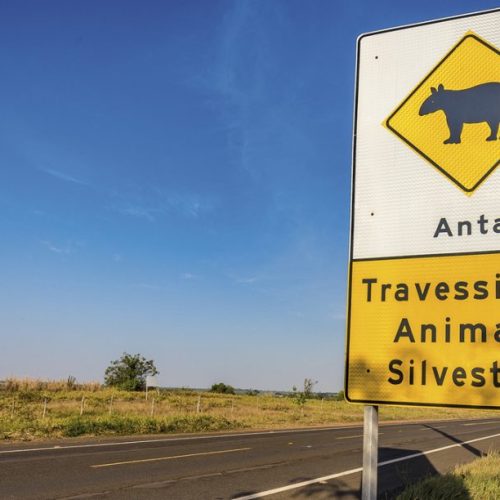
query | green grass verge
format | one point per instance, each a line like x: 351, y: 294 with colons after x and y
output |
x: 113, y: 425
x: 79, y: 426
x: 479, y: 480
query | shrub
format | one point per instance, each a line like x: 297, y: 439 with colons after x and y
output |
x: 222, y: 388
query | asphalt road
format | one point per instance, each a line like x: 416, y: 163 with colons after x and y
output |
x: 302, y: 464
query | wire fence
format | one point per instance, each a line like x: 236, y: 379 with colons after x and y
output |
x: 157, y: 404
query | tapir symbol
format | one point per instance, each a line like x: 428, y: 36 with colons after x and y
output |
x: 477, y: 104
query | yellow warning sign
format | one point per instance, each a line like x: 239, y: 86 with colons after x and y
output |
x: 452, y: 117
x: 429, y: 331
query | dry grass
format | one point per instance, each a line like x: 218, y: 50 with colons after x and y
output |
x: 33, y: 384
x: 32, y: 408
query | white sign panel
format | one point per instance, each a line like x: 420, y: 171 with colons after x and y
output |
x: 400, y: 195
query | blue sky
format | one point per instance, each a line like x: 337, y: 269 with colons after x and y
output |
x: 174, y: 181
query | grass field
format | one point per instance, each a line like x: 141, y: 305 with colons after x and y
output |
x: 31, y: 409
x: 479, y: 480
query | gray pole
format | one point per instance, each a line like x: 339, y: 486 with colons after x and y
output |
x: 370, y: 454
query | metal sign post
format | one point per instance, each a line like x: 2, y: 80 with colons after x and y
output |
x: 370, y: 454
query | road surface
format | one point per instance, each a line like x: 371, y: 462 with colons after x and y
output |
x: 295, y: 464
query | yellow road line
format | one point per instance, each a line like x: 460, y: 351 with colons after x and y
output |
x: 169, y: 458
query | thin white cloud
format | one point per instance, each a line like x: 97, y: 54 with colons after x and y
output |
x: 247, y: 281
x: 62, y: 250
x: 137, y: 211
x: 190, y: 205
x: 253, y: 282
x: 188, y: 276
x: 63, y: 176
x: 156, y: 204
x: 338, y: 315
x: 147, y: 286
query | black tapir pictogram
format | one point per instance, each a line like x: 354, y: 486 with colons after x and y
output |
x: 473, y: 105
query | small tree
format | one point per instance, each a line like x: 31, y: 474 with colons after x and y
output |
x: 129, y: 372
x: 308, y: 387
x: 222, y: 388
x: 299, y: 398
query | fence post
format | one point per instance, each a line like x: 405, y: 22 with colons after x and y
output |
x: 152, y: 406
x: 111, y: 404
x: 198, y: 406
x: 82, y: 405
x: 44, y: 408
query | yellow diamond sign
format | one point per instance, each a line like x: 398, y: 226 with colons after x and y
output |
x: 452, y: 117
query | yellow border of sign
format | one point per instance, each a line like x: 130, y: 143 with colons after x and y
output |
x: 386, y: 123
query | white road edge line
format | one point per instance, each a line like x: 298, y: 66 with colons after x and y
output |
x: 359, y: 469
x: 172, y: 439
x: 482, y: 423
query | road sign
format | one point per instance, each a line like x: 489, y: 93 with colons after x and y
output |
x: 151, y: 381
x: 424, y: 280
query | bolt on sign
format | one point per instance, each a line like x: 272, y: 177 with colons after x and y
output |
x: 424, y: 278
